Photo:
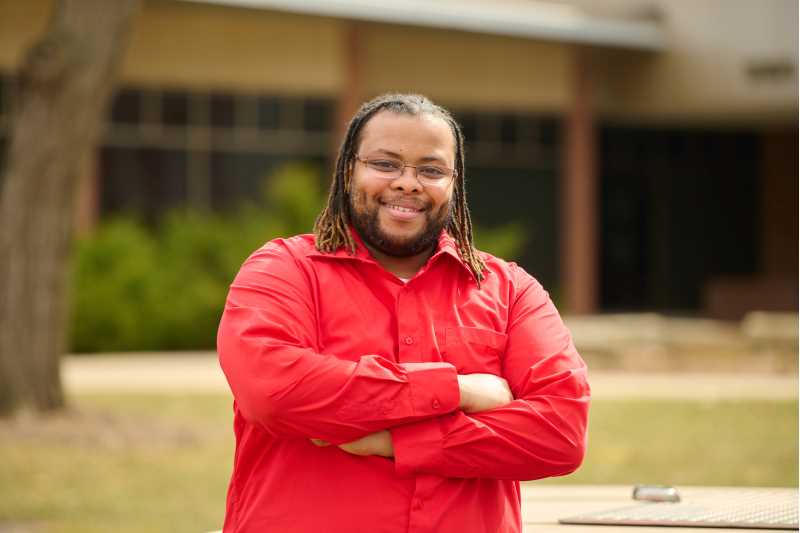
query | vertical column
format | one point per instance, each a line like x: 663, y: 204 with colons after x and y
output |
x: 88, y: 197
x: 779, y: 214
x: 352, y: 93
x: 579, y: 214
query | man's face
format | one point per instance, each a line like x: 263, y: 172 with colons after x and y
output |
x: 399, y: 217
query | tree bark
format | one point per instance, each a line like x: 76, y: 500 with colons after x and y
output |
x: 65, y: 83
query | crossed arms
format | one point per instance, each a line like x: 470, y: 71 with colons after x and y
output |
x: 528, y: 424
x: 477, y: 392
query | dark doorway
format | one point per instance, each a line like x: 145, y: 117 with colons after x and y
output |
x: 677, y: 209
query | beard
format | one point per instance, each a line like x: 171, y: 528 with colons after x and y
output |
x: 365, y: 219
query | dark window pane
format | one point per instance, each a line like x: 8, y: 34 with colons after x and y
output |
x: 269, y: 110
x: 9, y: 88
x: 4, y: 95
x: 528, y: 197
x: 508, y: 129
x: 317, y: 115
x: 126, y: 108
x: 175, y: 108
x: 238, y: 177
x: 248, y: 111
x: 173, y: 176
x: 3, y: 145
x: 488, y: 127
x: 223, y: 110
x: 549, y: 133
x: 539, y: 132
x: 469, y: 126
x: 291, y: 113
x: 120, y: 176
x: 145, y: 181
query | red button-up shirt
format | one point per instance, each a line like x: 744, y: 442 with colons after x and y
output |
x: 334, y: 347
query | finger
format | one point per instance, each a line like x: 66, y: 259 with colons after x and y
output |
x: 320, y: 442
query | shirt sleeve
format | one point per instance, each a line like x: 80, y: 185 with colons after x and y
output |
x: 267, y: 349
x: 541, y: 433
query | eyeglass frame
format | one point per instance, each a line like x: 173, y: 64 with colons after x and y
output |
x: 453, y: 172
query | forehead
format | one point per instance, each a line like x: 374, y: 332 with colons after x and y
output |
x: 422, y: 135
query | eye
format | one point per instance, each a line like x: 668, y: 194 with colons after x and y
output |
x: 432, y: 172
x: 384, y: 165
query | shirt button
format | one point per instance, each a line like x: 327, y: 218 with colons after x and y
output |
x: 435, y: 404
x: 409, y: 340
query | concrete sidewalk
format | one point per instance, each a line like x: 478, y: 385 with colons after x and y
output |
x: 199, y: 372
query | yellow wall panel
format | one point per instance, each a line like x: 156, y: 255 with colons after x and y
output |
x: 202, y: 46
x: 703, y: 75
x: 459, y: 68
x: 21, y: 23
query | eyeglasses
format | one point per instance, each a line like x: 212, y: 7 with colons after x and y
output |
x: 428, y: 175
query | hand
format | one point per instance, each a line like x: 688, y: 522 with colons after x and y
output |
x: 480, y: 392
x: 378, y: 443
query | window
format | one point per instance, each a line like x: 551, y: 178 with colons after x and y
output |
x: 142, y: 180
x: 175, y: 108
x: 126, y: 108
x: 269, y: 113
x: 506, y: 140
x: 223, y: 111
x: 173, y: 148
x: 317, y: 115
x: 508, y: 129
x: 3, y: 96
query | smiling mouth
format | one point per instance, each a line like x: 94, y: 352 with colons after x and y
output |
x: 401, y: 208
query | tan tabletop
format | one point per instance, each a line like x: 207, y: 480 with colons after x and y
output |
x: 543, y: 505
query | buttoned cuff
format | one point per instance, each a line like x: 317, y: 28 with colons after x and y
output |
x: 434, y: 388
x: 417, y: 446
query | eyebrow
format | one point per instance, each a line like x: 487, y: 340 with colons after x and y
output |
x: 426, y: 159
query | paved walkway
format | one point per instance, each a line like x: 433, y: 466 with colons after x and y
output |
x: 199, y: 373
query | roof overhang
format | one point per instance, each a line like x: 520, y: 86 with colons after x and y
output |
x: 529, y: 19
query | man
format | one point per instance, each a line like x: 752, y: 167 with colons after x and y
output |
x: 387, y: 376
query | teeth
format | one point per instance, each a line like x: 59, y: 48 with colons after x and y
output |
x: 403, y: 209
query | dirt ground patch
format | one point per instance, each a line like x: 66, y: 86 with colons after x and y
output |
x: 96, y: 428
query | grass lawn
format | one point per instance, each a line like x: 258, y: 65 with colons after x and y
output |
x: 137, y: 463
x: 723, y: 443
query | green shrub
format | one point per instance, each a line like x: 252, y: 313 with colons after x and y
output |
x: 505, y: 241
x: 113, y: 289
x: 164, y: 288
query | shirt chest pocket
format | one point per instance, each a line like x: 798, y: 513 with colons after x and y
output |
x: 472, y: 349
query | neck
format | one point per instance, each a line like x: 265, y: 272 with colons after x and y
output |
x: 402, y: 267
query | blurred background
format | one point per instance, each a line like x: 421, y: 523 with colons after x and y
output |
x: 638, y: 157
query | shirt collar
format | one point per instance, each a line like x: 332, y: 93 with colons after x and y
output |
x: 362, y: 253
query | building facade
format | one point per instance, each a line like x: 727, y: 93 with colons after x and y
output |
x: 649, y: 148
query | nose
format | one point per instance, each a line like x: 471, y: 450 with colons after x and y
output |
x: 407, y: 181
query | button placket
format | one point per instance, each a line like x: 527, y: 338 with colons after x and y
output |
x: 420, y: 520
x: 407, y: 326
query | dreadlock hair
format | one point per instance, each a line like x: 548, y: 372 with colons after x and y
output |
x: 332, y: 225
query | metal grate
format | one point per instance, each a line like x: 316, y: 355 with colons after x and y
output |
x: 756, y: 509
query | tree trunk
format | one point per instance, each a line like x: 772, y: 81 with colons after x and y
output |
x: 65, y: 83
